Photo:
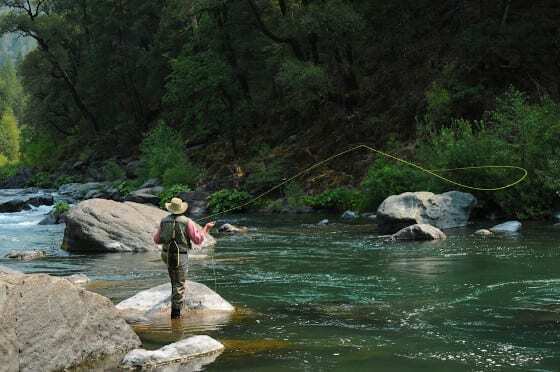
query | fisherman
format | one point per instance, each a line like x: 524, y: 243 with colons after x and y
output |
x: 177, y: 233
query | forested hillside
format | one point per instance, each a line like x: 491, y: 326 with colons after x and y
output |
x: 242, y: 93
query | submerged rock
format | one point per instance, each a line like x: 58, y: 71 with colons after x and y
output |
x: 231, y: 229
x: 100, y: 225
x: 507, y: 227
x: 448, y: 210
x: 26, y: 255
x: 349, y: 215
x: 155, y: 301
x: 324, y: 222
x: 49, y: 324
x: 197, y: 351
x: 483, y: 232
x: 419, y: 232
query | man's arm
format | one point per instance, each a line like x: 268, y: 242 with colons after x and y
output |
x: 197, y: 235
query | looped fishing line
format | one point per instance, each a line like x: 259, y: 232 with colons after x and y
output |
x: 431, y: 172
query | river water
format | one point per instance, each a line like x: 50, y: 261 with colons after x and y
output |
x: 339, y: 298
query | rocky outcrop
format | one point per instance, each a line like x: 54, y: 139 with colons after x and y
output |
x: 155, y: 301
x: 419, y: 232
x: 191, y: 353
x: 100, y: 225
x: 25, y: 255
x: 21, y: 179
x: 19, y: 199
x: 81, y: 191
x: 145, y: 196
x: 507, y: 227
x: 448, y: 210
x: 231, y: 229
x: 49, y: 324
x: 349, y: 215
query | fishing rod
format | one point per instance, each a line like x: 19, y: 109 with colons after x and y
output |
x: 431, y: 172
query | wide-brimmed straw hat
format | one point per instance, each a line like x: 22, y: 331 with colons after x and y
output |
x: 177, y: 206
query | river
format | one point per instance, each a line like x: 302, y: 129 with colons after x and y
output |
x: 339, y: 298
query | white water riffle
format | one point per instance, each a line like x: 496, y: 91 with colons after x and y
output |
x: 21, y: 231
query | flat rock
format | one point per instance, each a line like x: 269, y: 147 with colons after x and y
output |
x: 483, y: 232
x: 444, y: 211
x: 99, y: 225
x: 419, y: 232
x: 25, y: 255
x: 507, y: 227
x: 154, y: 301
x: 231, y: 229
x: 49, y: 324
x: 196, y: 351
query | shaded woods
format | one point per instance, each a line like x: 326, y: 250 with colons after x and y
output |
x: 267, y: 87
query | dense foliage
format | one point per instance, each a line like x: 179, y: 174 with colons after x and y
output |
x: 301, y: 79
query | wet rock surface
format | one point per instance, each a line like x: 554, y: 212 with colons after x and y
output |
x: 231, y: 229
x: 20, y: 199
x: 25, y: 255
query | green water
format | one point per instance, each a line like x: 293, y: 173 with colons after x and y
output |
x: 339, y: 298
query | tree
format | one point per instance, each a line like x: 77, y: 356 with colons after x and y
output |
x: 9, y: 136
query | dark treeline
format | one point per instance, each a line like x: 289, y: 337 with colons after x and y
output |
x: 235, y: 74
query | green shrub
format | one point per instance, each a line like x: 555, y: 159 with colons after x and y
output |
x: 9, y: 136
x: 226, y: 199
x: 60, y: 208
x: 127, y: 186
x: 517, y: 133
x: 65, y: 179
x: 295, y: 195
x: 163, y: 157
x: 171, y: 192
x: 42, y: 180
x: 112, y: 171
x: 7, y: 168
x: 264, y: 171
x: 339, y: 199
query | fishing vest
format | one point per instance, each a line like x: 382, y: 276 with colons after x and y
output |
x: 172, y: 234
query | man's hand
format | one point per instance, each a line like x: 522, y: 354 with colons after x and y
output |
x: 209, y: 226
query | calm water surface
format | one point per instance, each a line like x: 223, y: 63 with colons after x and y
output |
x: 339, y: 298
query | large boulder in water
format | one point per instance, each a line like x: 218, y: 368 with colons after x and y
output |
x: 448, y: 210
x: 99, y: 225
x: 153, y: 302
x: 188, y: 355
x: 49, y: 324
x: 419, y: 232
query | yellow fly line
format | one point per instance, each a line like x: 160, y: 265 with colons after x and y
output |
x: 431, y: 172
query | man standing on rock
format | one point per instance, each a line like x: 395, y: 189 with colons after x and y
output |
x: 175, y: 233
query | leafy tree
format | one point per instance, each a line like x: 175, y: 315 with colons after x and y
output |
x: 9, y: 136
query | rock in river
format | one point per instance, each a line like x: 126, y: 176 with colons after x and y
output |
x: 26, y: 255
x: 507, y: 227
x: 419, y: 232
x: 349, y: 215
x: 444, y: 211
x: 152, y: 302
x: 197, y: 351
x: 99, y: 225
x: 231, y: 229
x: 483, y: 232
x: 49, y: 324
